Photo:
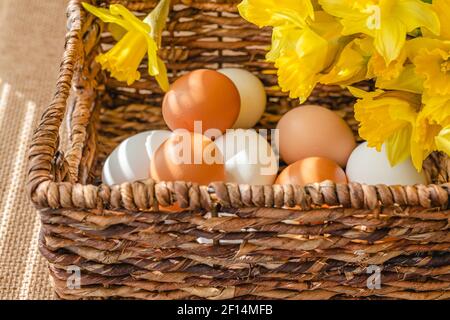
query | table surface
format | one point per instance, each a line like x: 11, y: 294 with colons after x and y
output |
x: 31, y: 46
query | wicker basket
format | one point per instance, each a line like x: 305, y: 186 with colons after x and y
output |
x: 321, y: 241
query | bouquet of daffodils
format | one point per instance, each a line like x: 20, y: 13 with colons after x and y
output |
x: 402, y: 45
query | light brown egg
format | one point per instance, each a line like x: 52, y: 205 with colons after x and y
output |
x: 314, y: 131
x: 310, y: 170
x: 202, y: 95
x: 187, y: 157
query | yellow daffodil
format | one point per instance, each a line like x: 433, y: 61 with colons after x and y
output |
x: 387, y: 21
x: 300, y: 64
x: 137, y: 39
x: 299, y: 67
x: 431, y: 58
x: 351, y: 66
x: 387, y: 117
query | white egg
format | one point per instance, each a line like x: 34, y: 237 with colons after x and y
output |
x: 130, y: 161
x: 249, y: 158
x: 367, y: 165
x: 155, y: 139
x: 110, y: 176
x: 253, y: 96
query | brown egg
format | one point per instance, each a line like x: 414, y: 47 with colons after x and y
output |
x: 310, y: 170
x: 187, y: 157
x: 314, y: 131
x: 202, y: 95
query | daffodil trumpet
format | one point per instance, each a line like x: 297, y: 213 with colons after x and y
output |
x: 136, y: 39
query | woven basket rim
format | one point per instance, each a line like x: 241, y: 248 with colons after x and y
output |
x: 47, y: 167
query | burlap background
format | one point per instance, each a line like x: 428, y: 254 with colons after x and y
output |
x: 31, y: 45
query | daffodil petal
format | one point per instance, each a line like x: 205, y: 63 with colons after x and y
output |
x: 342, y: 8
x: 329, y: 29
x: 398, y: 146
x: 442, y: 9
x: 284, y: 39
x: 157, y: 20
x: 325, y: 25
x: 417, y: 156
x: 436, y: 109
x: 117, y: 31
x: 351, y: 66
x: 152, y: 55
x: 118, y: 9
x: 106, y: 16
x: 361, y: 94
x: 401, y: 110
x: 354, y: 19
x: 313, y: 47
x: 276, y: 13
x: 356, y: 26
x: 346, y: 71
x: 415, y: 46
x: 443, y: 140
x: 390, y: 39
x: 161, y: 77
x: 423, y: 138
x: 409, y: 102
x: 407, y: 81
x: 415, y: 13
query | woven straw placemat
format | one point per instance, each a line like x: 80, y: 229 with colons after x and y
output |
x: 31, y: 46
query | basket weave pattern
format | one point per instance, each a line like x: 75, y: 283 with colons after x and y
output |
x: 285, y: 242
